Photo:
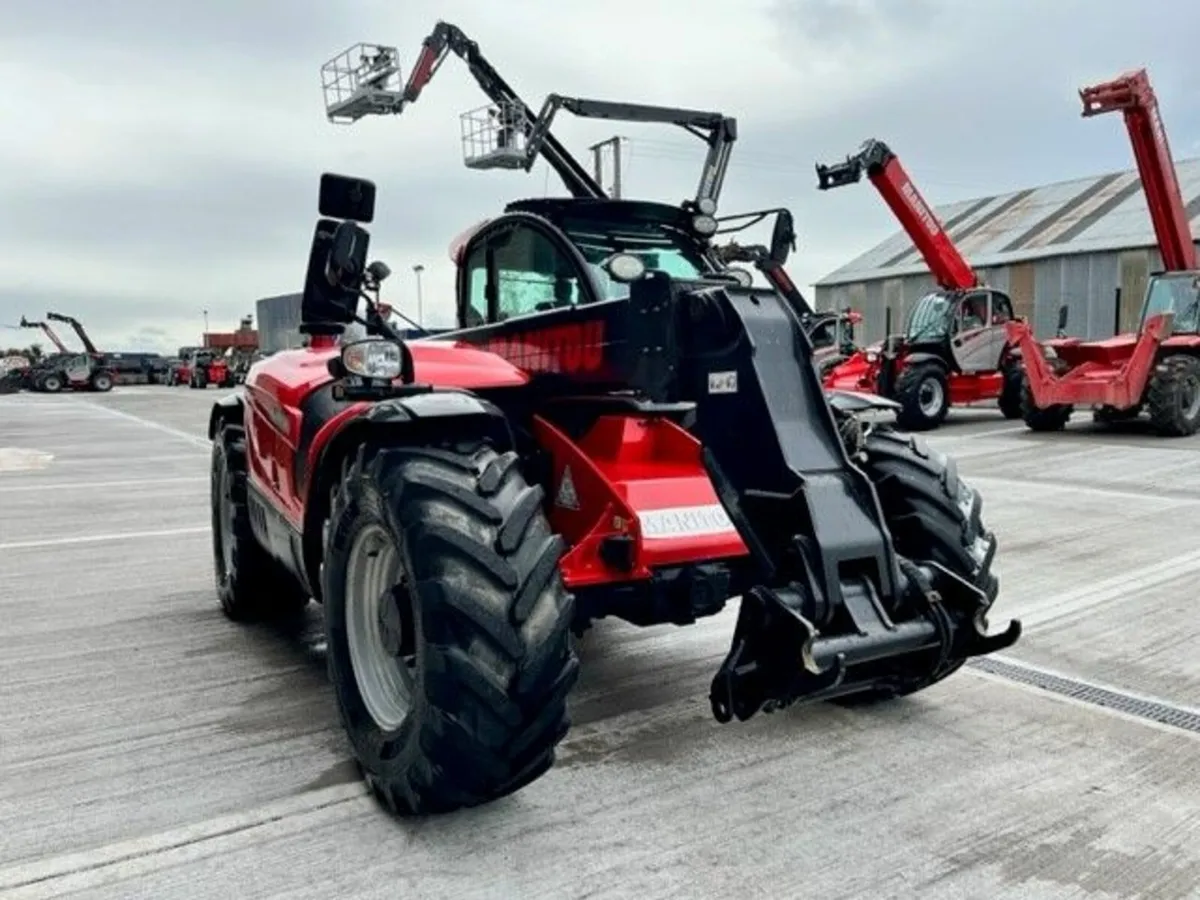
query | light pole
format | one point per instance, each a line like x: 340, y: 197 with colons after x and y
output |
x: 417, y: 270
x: 205, y: 321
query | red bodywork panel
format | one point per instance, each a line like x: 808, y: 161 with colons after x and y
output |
x: 640, y: 477
x: 858, y: 373
x: 277, y: 386
x: 1112, y: 372
x: 949, y: 268
x: 861, y: 373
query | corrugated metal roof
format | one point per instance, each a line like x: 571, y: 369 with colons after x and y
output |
x: 1104, y: 212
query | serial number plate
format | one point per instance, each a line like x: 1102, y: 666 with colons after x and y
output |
x: 723, y: 382
x: 685, y: 521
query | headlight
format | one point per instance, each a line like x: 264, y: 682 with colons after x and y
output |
x: 373, y: 359
x: 872, y: 356
x: 1049, y: 352
x: 704, y: 225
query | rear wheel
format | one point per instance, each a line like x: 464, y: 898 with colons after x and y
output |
x: 102, y: 382
x: 51, y: 383
x: 1173, y: 396
x: 923, y: 392
x: 1010, y: 393
x: 932, y: 514
x: 448, y: 625
x: 251, y: 584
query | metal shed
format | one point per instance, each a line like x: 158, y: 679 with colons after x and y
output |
x: 1073, y: 242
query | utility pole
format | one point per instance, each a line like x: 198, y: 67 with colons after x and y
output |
x: 598, y: 163
x: 206, y: 321
x: 417, y: 270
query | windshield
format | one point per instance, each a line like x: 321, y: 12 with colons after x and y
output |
x: 930, y: 318
x: 658, y: 246
x: 1178, y: 293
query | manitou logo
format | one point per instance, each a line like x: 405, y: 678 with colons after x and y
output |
x: 923, y: 212
x: 571, y: 349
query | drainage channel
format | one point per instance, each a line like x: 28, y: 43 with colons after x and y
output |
x: 1094, y: 695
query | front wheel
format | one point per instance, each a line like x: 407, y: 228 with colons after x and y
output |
x: 102, y: 382
x: 923, y: 392
x: 448, y: 625
x: 1173, y: 396
x: 1051, y: 418
x: 932, y: 514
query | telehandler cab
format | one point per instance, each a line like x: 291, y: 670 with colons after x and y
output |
x: 613, y: 437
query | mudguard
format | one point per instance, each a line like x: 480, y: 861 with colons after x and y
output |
x: 910, y: 359
x: 229, y: 408
x: 855, y: 401
x: 404, y: 413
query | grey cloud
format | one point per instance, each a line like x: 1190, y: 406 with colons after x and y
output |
x: 846, y: 21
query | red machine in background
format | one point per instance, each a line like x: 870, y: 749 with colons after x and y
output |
x: 1156, y: 369
x: 954, y: 348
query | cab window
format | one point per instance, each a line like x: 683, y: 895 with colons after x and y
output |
x: 532, y: 275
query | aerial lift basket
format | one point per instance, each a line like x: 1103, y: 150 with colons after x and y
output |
x: 496, y: 137
x: 363, y: 80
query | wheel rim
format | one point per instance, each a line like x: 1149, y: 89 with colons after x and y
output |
x: 226, y: 520
x: 1189, y: 396
x: 379, y: 641
x: 930, y: 396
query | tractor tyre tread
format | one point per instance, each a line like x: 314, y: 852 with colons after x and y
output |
x: 906, y: 392
x: 255, y: 586
x: 931, y: 514
x: 1010, y: 392
x: 491, y: 621
x: 1052, y: 418
x: 1165, y: 396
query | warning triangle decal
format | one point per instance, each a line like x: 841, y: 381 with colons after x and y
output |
x: 567, y: 498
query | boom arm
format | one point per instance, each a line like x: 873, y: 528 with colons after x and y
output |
x: 48, y: 331
x: 1132, y: 94
x: 74, y: 323
x: 950, y: 270
x: 446, y: 38
x: 368, y: 93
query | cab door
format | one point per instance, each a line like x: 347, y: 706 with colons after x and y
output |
x: 971, y: 334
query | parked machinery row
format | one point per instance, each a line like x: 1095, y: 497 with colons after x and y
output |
x: 962, y: 343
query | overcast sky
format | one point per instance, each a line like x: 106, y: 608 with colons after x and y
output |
x: 162, y: 158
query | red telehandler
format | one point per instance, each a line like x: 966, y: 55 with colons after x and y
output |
x: 954, y: 348
x: 1156, y: 369
x: 617, y: 427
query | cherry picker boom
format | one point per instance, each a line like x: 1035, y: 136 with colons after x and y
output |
x: 954, y: 348
x: 1156, y: 369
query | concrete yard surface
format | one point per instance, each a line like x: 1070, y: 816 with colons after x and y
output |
x: 150, y: 748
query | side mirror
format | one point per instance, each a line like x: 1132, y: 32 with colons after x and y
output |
x: 344, y: 197
x: 347, y: 260
x: 324, y: 302
x: 783, y: 237
x: 1063, y: 312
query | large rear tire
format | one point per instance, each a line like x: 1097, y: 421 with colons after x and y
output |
x: 1010, y: 392
x: 1173, y: 396
x: 448, y: 625
x: 251, y: 584
x: 932, y: 514
x: 923, y: 392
